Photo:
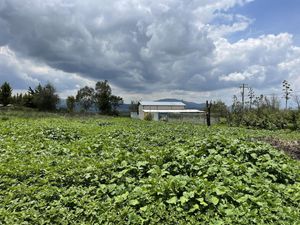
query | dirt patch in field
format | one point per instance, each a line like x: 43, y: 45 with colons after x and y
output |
x: 290, y: 147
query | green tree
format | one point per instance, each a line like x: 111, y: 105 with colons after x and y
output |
x: 27, y: 99
x: 103, y: 97
x: 17, y: 99
x: 115, y: 102
x: 5, y: 94
x: 85, y: 97
x: 105, y: 101
x: 236, y: 115
x: 44, y: 97
x: 71, y: 103
x: 219, y: 108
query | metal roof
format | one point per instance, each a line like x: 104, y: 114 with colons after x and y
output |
x: 153, y: 103
x: 173, y: 111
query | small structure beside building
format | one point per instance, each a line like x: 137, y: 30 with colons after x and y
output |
x: 167, y: 111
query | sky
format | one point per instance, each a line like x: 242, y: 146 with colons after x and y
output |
x: 195, y: 50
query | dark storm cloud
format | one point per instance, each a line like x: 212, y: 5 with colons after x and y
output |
x: 130, y: 43
x: 139, y: 45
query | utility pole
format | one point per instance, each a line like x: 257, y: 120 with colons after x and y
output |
x: 243, y: 86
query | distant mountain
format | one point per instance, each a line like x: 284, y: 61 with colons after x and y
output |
x: 124, y: 107
x: 63, y: 105
x: 188, y: 105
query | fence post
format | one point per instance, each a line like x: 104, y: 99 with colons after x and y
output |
x: 208, y: 107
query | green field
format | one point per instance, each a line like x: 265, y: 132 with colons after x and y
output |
x: 63, y: 170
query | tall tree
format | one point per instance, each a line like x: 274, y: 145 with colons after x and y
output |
x: 71, y: 103
x: 17, y: 99
x: 115, y: 102
x: 85, y: 97
x: 44, y: 97
x: 287, y: 91
x: 105, y: 101
x: 27, y: 99
x: 219, y: 108
x: 5, y: 94
x: 103, y: 97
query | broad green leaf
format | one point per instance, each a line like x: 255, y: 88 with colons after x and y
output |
x: 214, y: 200
x: 194, y: 208
x: 202, y: 202
x: 134, y: 202
x: 122, y: 197
x: 172, y: 200
x: 220, y: 190
x: 183, y: 199
x: 229, y: 212
x: 242, y: 199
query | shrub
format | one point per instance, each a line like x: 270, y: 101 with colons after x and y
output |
x: 148, y: 117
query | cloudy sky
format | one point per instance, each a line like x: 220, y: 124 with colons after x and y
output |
x: 187, y: 49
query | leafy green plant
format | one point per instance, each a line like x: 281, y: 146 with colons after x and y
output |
x: 60, y: 134
x: 55, y: 170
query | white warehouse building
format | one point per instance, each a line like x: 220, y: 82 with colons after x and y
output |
x: 165, y: 110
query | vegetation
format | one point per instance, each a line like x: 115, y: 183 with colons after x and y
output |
x: 85, y: 97
x: 219, y: 109
x: 5, y: 94
x: 148, y: 117
x: 101, y: 97
x: 56, y: 170
x: 44, y: 98
x: 264, y: 112
x: 115, y: 102
x: 265, y: 115
x: 71, y: 103
x: 287, y: 90
x: 105, y: 101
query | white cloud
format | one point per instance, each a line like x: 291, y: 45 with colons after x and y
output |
x: 258, y: 61
x: 144, y: 48
x: 22, y: 73
x: 230, y: 25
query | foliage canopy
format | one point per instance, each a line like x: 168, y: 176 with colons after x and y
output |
x: 5, y: 93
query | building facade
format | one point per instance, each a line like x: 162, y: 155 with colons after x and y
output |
x: 164, y: 110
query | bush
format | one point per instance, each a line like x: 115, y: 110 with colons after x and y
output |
x: 266, y: 119
x: 148, y: 117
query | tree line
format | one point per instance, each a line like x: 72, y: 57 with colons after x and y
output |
x: 45, y: 98
x: 260, y: 111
